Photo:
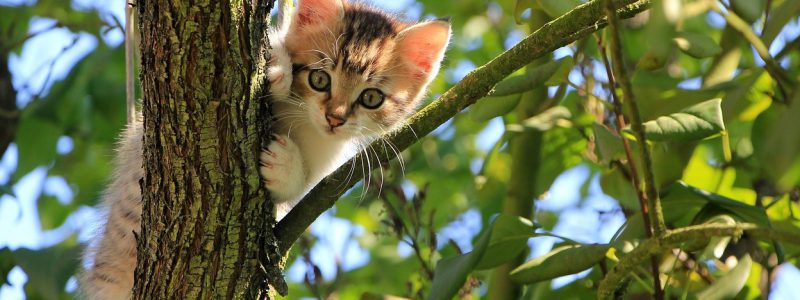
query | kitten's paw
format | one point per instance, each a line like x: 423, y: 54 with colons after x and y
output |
x: 282, y: 169
x: 279, y: 72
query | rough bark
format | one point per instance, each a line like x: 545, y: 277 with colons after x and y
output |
x: 206, y: 223
x: 207, y: 227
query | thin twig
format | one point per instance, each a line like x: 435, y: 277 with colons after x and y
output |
x: 677, y: 237
x: 628, y: 98
x: 770, y: 65
x: 649, y: 201
x: 29, y: 35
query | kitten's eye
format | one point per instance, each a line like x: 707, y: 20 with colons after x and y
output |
x: 371, y: 98
x: 319, y: 80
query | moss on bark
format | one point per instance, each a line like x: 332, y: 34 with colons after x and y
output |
x: 207, y: 224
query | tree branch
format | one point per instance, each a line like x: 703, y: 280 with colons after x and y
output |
x: 772, y: 67
x: 628, y: 98
x: 570, y: 27
x: 675, y: 238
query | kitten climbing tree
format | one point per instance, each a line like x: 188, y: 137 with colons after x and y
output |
x: 683, y: 110
x: 206, y: 230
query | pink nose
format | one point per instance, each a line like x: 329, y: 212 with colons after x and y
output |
x: 334, y: 120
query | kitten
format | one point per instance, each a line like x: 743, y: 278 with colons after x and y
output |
x: 356, y: 73
x: 341, y: 75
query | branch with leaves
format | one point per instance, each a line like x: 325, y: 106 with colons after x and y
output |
x: 578, y: 23
x: 677, y: 237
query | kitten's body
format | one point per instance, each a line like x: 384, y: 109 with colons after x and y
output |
x: 341, y: 74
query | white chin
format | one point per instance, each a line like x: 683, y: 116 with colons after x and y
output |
x: 325, y: 131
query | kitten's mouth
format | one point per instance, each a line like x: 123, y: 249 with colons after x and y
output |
x: 327, y: 130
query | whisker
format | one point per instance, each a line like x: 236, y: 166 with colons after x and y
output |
x: 380, y: 168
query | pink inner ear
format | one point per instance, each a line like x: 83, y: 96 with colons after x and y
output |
x: 317, y: 12
x: 423, y: 45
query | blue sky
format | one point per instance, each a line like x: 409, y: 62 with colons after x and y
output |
x: 19, y: 225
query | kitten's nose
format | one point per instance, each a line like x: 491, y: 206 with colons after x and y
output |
x: 334, y: 120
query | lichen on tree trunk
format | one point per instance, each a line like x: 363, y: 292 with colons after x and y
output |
x: 206, y: 222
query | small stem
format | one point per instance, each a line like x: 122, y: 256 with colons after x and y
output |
x: 649, y: 201
x: 773, y: 68
x: 634, y: 177
x: 621, y: 75
x: 677, y: 237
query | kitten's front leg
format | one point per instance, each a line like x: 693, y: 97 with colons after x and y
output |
x: 279, y: 70
x: 283, y: 170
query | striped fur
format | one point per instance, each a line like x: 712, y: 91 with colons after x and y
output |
x: 360, y: 48
x: 113, y: 256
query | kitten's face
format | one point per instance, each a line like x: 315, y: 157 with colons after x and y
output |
x: 359, y: 71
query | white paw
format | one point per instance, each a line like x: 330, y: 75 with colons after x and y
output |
x: 279, y: 72
x: 282, y: 169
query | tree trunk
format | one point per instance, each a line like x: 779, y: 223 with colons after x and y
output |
x: 206, y: 221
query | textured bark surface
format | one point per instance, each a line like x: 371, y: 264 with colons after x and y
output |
x: 206, y: 223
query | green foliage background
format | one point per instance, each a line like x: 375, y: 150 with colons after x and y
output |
x: 734, y: 159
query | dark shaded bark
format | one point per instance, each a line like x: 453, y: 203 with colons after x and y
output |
x: 206, y: 222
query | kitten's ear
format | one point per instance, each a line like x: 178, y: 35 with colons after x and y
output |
x: 314, y: 13
x: 422, y: 46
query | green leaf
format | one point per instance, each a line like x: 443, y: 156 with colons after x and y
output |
x: 716, y: 245
x: 608, y: 145
x: 660, y: 96
x: 696, y: 45
x: 556, y: 8
x: 36, y: 143
x: 776, y: 143
x: 51, y: 212
x: 519, y: 8
x: 660, y: 29
x: 488, y: 108
x: 560, y: 261
x: 543, y: 121
x: 792, y: 176
x: 749, y: 10
x: 752, y: 94
x: 6, y: 264
x: 696, y: 122
x: 13, y: 26
x: 47, y: 270
x: 509, y: 237
x: 729, y: 285
x: 75, y: 20
x: 746, y: 212
x: 616, y: 185
x: 504, y: 239
x: 451, y: 272
x: 549, y: 74
x: 778, y: 17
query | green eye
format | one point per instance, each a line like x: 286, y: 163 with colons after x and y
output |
x: 319, y: 80
x: 371, y: 98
